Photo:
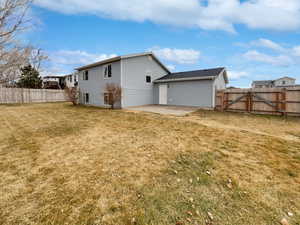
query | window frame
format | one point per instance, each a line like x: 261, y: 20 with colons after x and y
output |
x: 106, y: 69
x: 147, y: 81
x: 86, y: 98
x: 86, y: 75
x: 106, y: 98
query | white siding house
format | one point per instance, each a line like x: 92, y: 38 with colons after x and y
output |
x: 145, y: 80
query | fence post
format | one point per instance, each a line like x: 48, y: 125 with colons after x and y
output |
x: 283, y: 100
x: 247, y: 103
x: 250, y: 102
x: 277, y: 102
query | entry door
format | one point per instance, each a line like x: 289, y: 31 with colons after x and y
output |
x: 163, y: 94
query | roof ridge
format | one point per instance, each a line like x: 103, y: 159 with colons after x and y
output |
x: 188, y: 71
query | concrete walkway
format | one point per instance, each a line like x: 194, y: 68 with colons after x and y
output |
x: 165, y: 110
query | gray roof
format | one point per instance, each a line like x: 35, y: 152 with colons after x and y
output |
x: 118, y: 58
x: 263, y: 82
x: 195, y: 75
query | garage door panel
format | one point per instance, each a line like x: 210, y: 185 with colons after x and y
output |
x: 191, y: 93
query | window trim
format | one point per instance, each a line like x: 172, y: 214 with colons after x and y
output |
x: 148, y: 82
x: 104, y: 70
x: 86, y: 75
x: 86, y: 96
x: 106, y: 95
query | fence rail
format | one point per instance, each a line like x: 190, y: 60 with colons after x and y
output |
x: 22, y: 95
x: 278, y: 101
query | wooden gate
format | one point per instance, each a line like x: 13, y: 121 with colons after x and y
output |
x: 279, y: 101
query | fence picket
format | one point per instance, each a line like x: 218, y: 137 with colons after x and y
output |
x: 279, y: 101
x: 22, y: 95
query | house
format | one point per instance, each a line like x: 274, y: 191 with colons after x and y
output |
x: 145, y: 80
x: 281, y: 82
x: 71, y: 80
x: 53, y: 82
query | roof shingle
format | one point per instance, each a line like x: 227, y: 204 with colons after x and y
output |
x: 193, y: 74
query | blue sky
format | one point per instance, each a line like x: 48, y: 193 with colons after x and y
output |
x: 254, y: 39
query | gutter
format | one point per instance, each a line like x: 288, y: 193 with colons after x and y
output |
x: 185, y: 79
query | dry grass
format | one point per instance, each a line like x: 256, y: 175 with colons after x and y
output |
x: 61, y: 164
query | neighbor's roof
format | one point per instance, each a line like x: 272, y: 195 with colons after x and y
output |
x: 286, y: 78
x: 263, y: 82
x: 266, y: 82
x: 55, y: 76
x: 207, y: 74
x: 118, y: 58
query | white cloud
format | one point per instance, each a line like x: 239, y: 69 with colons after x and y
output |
x: 296, y: 51
x: 180, y: 56
x: 278, y: 15
x: 65, y: 61
x: 77, y: 57
x: 268, y: 44
x: 280, y: 60
x: 171, y: 67
x: 235, y: 75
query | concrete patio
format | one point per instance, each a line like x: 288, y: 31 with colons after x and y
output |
x: 165, y: 110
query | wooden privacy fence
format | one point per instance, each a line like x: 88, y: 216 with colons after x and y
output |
x: 22, y: 95
x: 278, y: 101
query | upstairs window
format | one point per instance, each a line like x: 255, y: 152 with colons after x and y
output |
x: 283, y: 82
x: 107, y: 71
x: 70, y: 78
x: 148, y: 79
x: 86, y: 75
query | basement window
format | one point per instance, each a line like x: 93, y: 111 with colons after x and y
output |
x: 87, y: 98
x: 106, y: 98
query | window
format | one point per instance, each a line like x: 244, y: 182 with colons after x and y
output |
x: 106, y: 98
x: 70, y: 78
x: 148, y: 79
x: 86, y: 75
x: 87, y: 98
x: 107, y: 71
x: 283, y: 82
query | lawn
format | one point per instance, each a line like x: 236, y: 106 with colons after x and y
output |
x: 61, y: 164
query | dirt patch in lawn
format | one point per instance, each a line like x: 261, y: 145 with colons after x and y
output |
x: 82, y: 165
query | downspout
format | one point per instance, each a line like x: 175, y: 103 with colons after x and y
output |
x: 121, y: 81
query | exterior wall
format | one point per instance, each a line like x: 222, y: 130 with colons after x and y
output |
x: 74, y: 79
x: 284, y: 82
x: 136, y: 91
x: 95, y: 86
x: 219, y: 84
x: 69, y: 83
x: 188, y: 93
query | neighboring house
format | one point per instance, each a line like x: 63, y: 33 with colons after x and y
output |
x: 71, y: 80
x: 53, y: 82
x: 281, y: 82
x: 145, y: 80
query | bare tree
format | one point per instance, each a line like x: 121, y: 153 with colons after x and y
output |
x: 13, y: 55
x: 12, y: 18
x: 112, y: 94
x: 73, y: 94
x: 17, y: 57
